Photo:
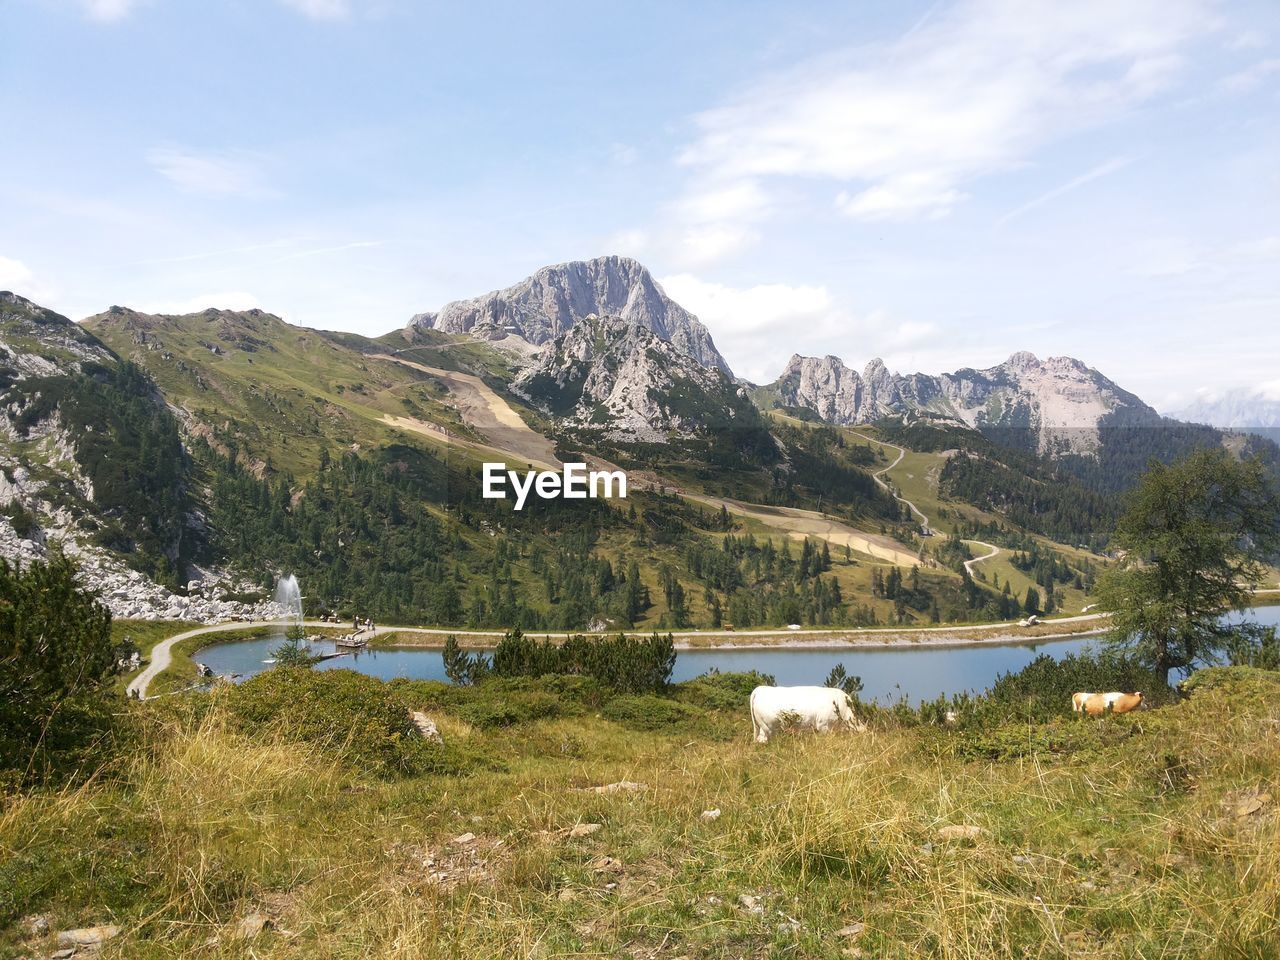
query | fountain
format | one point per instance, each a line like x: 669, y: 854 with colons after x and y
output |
x: 289, y: 598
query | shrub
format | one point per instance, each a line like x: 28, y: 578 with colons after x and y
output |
x: 1043, y: 688
x: 722, y: 691
x: 623, y: 663
x: 57, y: 660
x: 652, y: 713
x: 507, y: 709
x: 363, y: 719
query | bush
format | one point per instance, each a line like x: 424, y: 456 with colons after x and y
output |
x: 1043, y: 688
x: 622, y: 663
x: 508, y: 709
x: 57, y: 661
x: 651, y: 713
x: 359, y: 717
x: 722, y: 691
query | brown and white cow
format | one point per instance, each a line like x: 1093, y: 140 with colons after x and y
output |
x: 1096, y: 704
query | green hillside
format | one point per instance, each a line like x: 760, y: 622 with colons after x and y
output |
x: 274, y: 393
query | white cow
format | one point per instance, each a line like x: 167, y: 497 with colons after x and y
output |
x: 806, y: 708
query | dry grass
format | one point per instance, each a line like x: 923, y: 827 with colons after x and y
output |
x: 1136, y: 846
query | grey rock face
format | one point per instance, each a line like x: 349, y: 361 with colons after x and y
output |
x: 553, y: 300
x: 1060, y: 399
x: 619, y: 377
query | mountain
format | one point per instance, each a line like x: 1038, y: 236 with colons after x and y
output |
x: 618, y: 377
x: 546, y: 305
x: 1248, y: 410
x: 1055, y: 407
x: 274, y: 393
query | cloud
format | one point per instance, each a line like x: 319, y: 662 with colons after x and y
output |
x: 321, y: 9
x: 108, y: 11
x: 749, y: 323
x: 1251, y: 78
x: 228, y: 300
x: 767, y: 306
x: 17, y: 277
x: 1101, y: 170
x: 217, y: 174
x: 905, y: 197
x: 972, y: 90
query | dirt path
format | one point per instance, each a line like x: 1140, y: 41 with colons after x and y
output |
x: 995, y: 551
x: 802, y: 524
x: 878, y: 477
x: 482, y: 409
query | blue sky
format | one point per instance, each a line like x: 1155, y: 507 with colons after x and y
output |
x: 939, y: 184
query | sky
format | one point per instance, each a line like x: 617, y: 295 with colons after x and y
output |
x: 939, y: 184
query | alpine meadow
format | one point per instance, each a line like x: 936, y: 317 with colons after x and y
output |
x: 648, y: 606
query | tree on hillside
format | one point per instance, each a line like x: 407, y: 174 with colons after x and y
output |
x: 57, y: 660
x: 1196, y: 536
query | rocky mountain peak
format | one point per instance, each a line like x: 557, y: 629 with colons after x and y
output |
x: 619, y: 377
x: 553, y: 300
x: 1022, y: 361
x: 37, y: 341
x: 1061, y: 400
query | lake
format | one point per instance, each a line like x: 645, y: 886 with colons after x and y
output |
x: 918, y: 673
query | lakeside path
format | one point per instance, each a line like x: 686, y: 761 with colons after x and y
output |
x: 807, y: 638
x: 810, y: 638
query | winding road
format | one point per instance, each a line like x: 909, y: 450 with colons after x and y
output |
x: 162, y: 652
x: 878, y: 476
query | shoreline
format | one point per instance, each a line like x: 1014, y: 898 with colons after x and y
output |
x: 814, y: 644
x: 1007, y: 634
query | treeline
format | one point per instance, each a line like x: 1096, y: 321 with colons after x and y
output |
x: 622, y: 663
x: 1055, y: 507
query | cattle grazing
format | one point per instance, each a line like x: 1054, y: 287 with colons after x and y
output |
x: 1096, y: 704
x: 803, y: 708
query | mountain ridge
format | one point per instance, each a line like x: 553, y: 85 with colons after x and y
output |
x: 1061, y: 401
x: 554, y: 298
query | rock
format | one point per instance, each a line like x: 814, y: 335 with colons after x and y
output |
x: 87, y: 936
x: 36, y: 925
x: 622, y: 786
x: 584, y: 829
x: 851, y: 931
x: 464, y: 839
x: 626, y: 373
x: 960, y: 832
x: 1250, y: 804
x: 712, y: 814
x: 426, y: 726
x: 1061, y: 399
x: 252, y: 925
x: 556, y: 298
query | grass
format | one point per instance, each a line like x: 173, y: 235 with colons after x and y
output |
x: 1137, y: 836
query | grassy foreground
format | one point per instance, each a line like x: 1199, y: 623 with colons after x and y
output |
x: 1148, y: 835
